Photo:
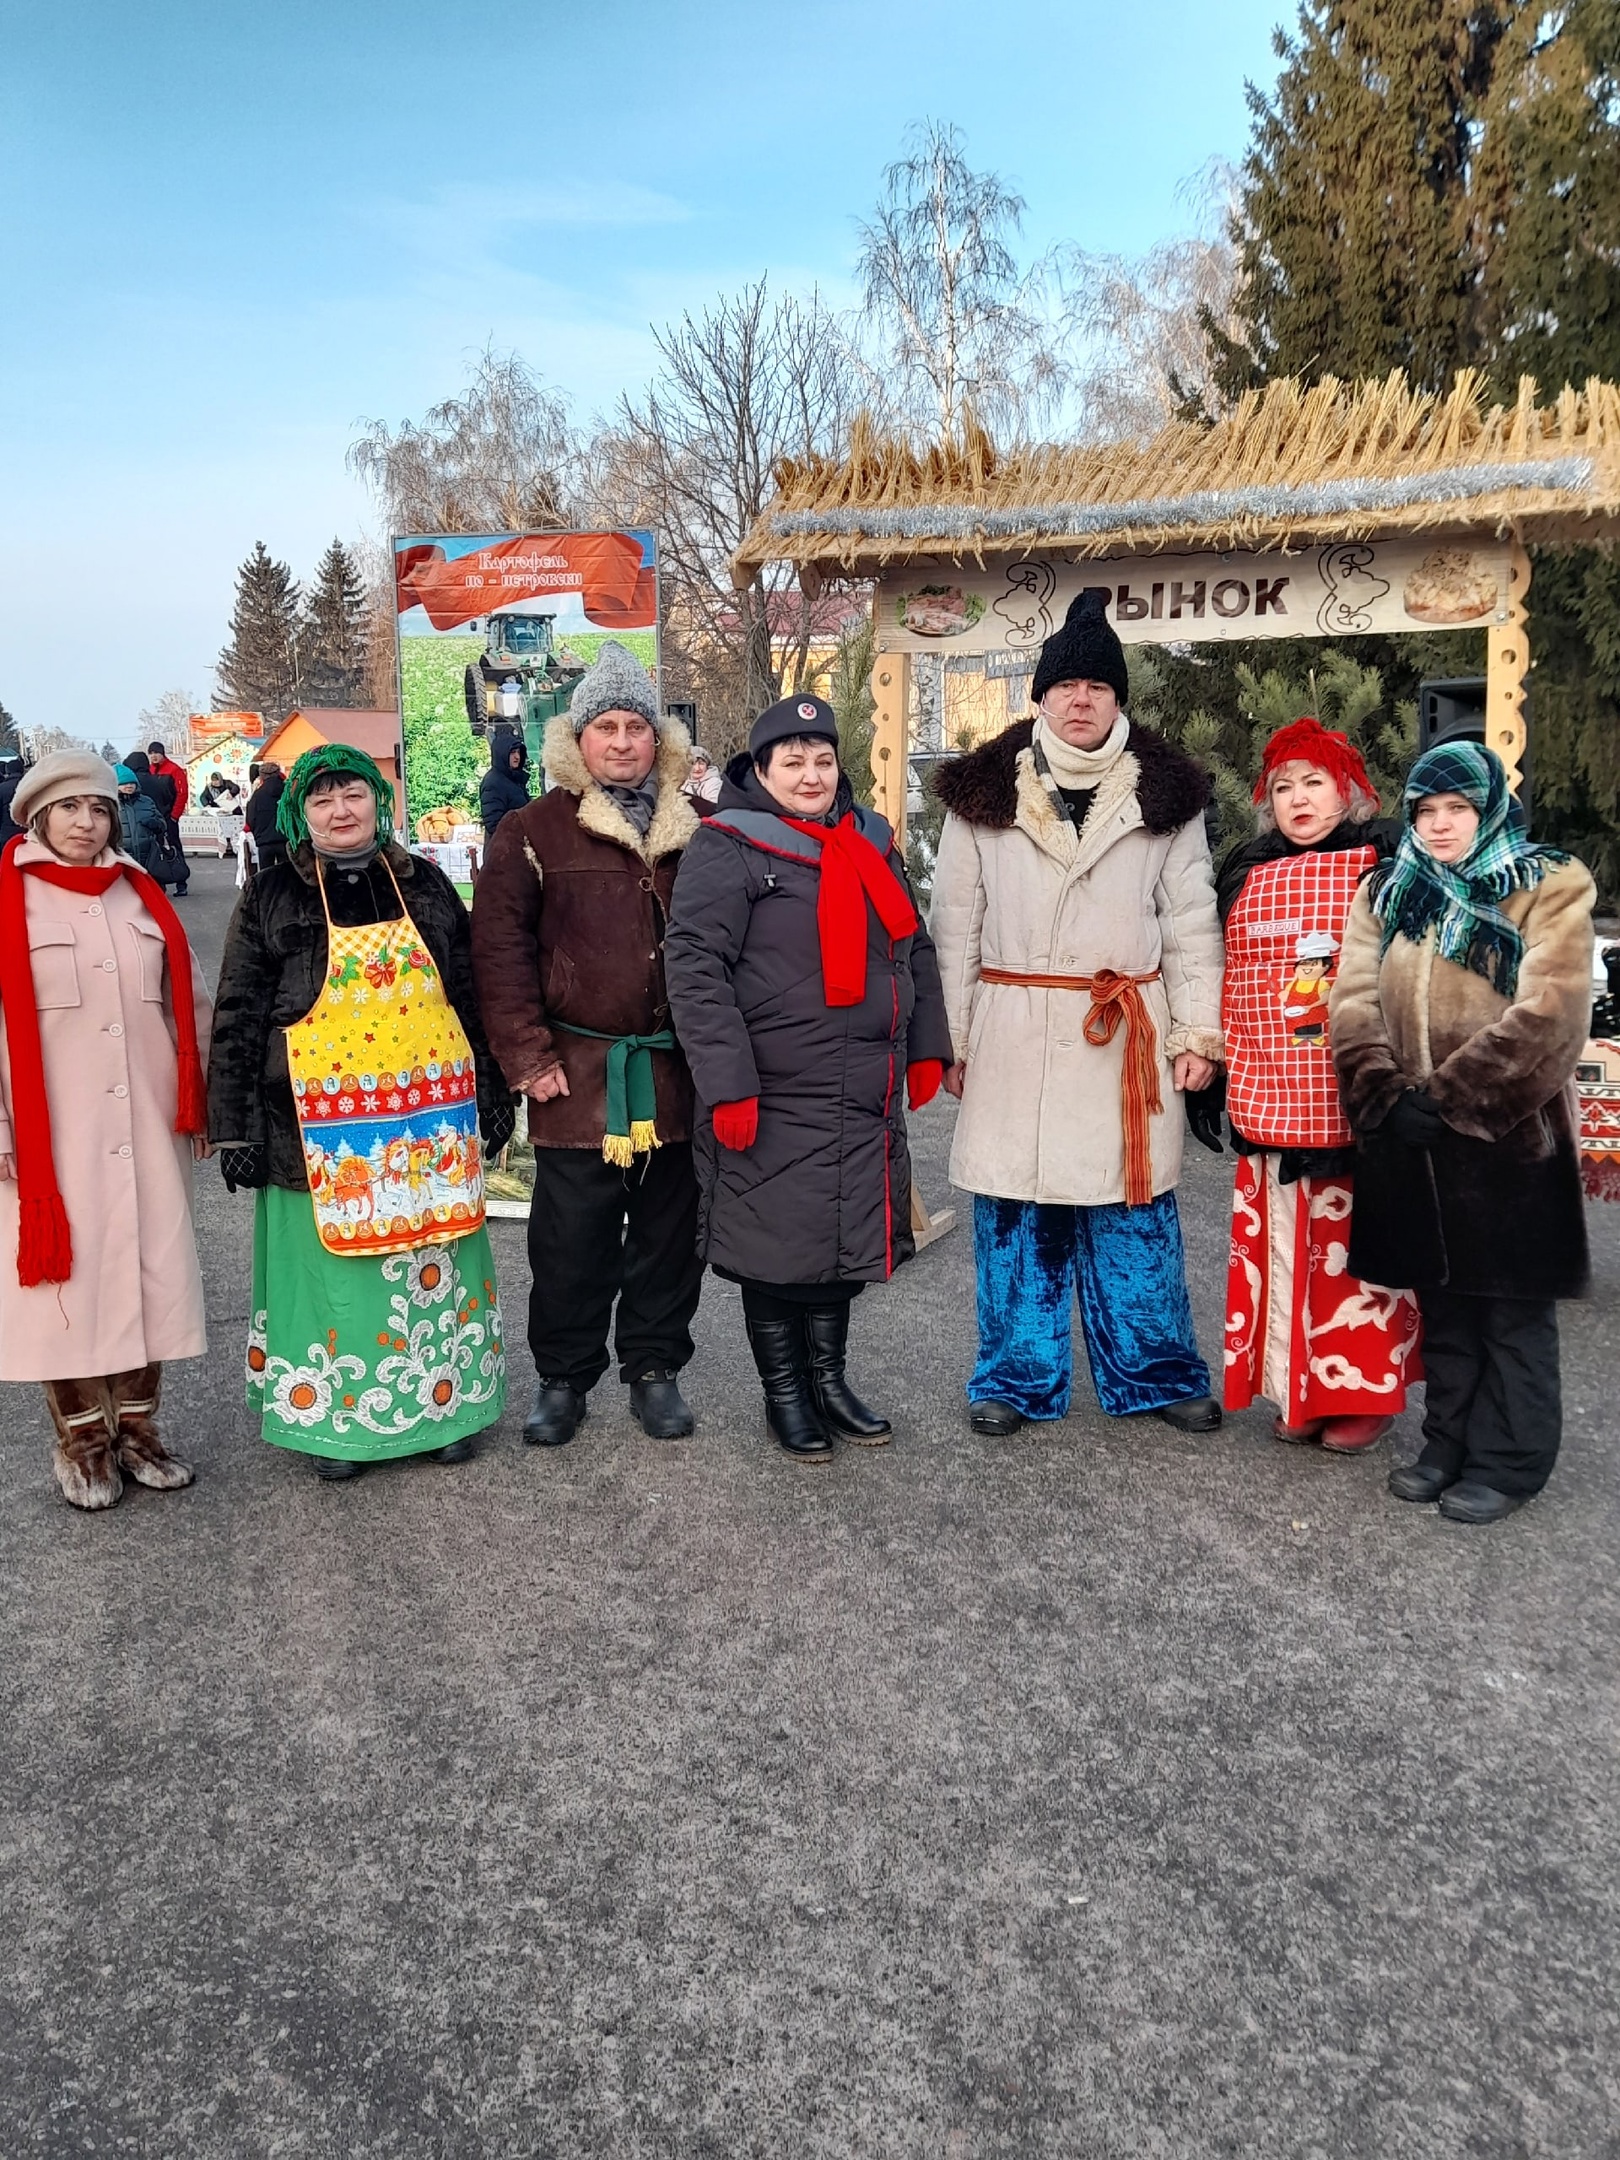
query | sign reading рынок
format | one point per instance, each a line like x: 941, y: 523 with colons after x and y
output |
x: 1350, y: 589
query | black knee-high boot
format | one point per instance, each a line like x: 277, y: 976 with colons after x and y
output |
x: 840, y: 1407
x: 784, y: 1366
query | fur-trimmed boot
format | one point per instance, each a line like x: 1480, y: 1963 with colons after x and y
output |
x: 140, y: 1452
x: 84, y: 1459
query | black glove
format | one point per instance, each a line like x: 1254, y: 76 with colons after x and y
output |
x: 495, y: 1127
x: 1415, y: 1120
x: 249, y: 1166
x: 1206, y: 1111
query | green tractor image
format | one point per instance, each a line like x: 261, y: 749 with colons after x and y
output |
x: 522, y: 677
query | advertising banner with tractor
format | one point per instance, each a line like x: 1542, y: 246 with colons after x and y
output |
x: 495, y: 629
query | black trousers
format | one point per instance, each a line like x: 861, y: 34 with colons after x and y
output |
x: 597, y: 1233
x: 1495, y: 1412
x: 786, y: 1301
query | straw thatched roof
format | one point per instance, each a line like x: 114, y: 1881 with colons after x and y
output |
x: 1288, y: 467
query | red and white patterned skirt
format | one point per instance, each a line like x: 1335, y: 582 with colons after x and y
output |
x: 1301, y: 1330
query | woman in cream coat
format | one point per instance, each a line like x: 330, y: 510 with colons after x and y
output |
x: 1074, y: 917
x: 101, y: 1112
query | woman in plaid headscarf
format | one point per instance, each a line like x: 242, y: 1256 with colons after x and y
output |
x: 1463, y: 998
x: 1333, y: 1353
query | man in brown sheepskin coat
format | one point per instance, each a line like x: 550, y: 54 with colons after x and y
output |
x: 568, y: 947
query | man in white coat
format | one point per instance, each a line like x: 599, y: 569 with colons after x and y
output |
x: 1074, y: 916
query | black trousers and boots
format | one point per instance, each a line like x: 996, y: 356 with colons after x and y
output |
x: 1494, y: 1414
x: 599, y: 1234
x: 799, y: 1334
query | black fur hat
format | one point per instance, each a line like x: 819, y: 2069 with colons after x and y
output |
x: 1086, y: 649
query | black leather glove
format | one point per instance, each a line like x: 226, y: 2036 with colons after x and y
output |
x: 495, y: 1127
x: 249, y: 1166
x: 1206, y: 1112
x: 1415, y: 1120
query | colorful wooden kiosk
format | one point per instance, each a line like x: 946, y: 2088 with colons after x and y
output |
x: 1330, y: 512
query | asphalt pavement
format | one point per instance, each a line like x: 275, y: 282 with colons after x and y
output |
x: 1103, y: 1792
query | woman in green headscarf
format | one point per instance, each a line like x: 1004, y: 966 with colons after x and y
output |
x: 351, y: 1087
x: 1463, y: 997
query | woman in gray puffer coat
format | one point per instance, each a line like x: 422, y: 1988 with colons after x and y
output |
x: 804, y: 991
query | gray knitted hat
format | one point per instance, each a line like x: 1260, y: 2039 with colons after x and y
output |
x: 617, y: 683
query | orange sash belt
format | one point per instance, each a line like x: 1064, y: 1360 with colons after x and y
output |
x: 1116, y: 998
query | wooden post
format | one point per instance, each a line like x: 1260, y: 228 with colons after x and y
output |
x: 1506, y: 665
x: 891, y: 686
x: 891, y: 693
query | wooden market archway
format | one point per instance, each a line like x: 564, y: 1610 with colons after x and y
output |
x: 1332, y: 511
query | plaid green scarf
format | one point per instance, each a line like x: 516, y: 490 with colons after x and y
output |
x: 1461, y: 901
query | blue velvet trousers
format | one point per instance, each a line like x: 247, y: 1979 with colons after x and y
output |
x: 1126, y: 1265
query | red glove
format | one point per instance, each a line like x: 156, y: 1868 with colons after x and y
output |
x: 736, y: 1124
x: 922, y: 1080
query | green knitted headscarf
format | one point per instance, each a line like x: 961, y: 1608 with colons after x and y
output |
x: 336, y: 757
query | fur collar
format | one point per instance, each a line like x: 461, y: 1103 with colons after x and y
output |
x: 983, y: 788
x: 674, y: 821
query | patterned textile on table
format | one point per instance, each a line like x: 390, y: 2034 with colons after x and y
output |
x: 1597, y: 1084
x: 1301, y: 1330
x: 369, y: 1355
x: 1127, y: 1268
x: 1282, y: 946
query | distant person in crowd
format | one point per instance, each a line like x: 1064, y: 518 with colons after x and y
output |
x: 1334, y: 1354
x: 568, y: 938
x: 806, y: 997
x: 1462, y: 1004
x: 505, y: 786
x: 166, y: 864
x: 104, y: 1019
x: 12, y: 769
x: 165, y: 768
x: 221, y: 793
x: 140, y: 829
x: 269, y: 848
x: 1074, y: 915
x: 351, y: 1089
x: 704, y: 781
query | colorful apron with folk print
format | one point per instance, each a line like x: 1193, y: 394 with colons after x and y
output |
x: 1301, y: 1330
x: 386, y: 1095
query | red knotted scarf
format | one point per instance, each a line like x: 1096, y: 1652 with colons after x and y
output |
x: 45, y: 1240
x: 852, y: 872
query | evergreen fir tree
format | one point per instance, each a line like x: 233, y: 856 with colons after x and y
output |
x: 333, y: 633
x: 1547, y: 197
x: 1436, y: 185
x: 9, y: 744
x: 1358, y: 249
x: 258, y: 669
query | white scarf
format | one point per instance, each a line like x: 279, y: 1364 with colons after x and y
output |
x: 1075, y: 768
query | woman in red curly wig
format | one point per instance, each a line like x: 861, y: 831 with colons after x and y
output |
x: 1335, y: 1354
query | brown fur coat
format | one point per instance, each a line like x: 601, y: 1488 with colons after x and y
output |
x: 1494, y: 1209
x: 568, y: 931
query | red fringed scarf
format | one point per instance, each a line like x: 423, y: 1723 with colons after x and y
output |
x: 45, y: 1240
x: 852, y: 872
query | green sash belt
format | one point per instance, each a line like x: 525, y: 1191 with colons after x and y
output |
x: 631, y: 1099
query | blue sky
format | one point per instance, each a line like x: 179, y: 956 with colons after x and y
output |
x: 232, y: 232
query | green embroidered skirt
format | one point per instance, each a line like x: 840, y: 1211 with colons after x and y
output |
x: 365, y: 1358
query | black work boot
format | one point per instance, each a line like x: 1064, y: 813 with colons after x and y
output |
x: 558, y: 1413
x: 659, y: 1407
x: 827, y: 1328
x: 790, y: 1411
x: 336, y: 1469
